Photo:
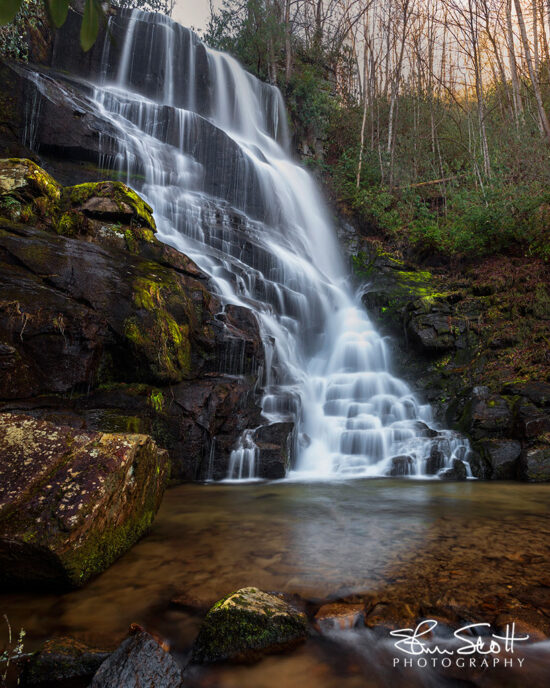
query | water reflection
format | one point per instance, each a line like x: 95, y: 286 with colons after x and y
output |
x: 475, y: 543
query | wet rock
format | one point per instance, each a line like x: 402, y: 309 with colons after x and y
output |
x: 535, y: 463
x: 72, y: 502
x: 401, y: 465
x: 531, y: 421
x: 147, y: 349
x: 338, y: 616
x: 62, y: 662
x: 139, y: 662
x: 247, y: 624
x: 275, y: 444
x: 435, y: 461
x: 457, y: 471
x: 502, y: 457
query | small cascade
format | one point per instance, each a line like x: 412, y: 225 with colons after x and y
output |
x: 207, y: 145
x: 244, y: 458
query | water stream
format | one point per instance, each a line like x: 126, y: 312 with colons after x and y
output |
x: 207, y: 145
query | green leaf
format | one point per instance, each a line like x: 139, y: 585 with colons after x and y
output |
x: 90, y: 25
x: 58, y: 11
x: 8, y: 10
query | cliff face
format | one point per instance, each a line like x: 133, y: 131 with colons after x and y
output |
x: 105, y: 328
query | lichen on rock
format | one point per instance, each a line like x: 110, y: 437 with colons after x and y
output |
x: 71, y: 502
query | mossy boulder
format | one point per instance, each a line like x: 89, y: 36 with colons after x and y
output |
x: 71, y: 502
x: 110, y: 201
x: 247, y: 624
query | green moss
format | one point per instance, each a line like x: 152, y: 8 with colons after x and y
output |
x: 69, y: 224
x: 119, y: 192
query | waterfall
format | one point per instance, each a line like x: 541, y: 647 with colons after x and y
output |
x: 207, y: 145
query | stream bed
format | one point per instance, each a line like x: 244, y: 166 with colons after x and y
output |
x: 477, y: 544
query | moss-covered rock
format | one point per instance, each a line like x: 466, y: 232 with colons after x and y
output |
x: 111, y: 201
x: 71, y: 502
x: 247, y: 624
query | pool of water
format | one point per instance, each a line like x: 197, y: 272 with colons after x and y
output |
x: 475, y: 543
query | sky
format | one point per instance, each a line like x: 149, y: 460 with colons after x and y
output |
x: 192, y: 12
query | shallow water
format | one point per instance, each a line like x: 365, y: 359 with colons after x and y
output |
x: 472, y: 541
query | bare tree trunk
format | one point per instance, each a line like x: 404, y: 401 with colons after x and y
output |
x: 516, y: 97
x: 532, y: 74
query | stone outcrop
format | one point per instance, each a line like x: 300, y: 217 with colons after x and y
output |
x: 105, y: 328
x: 71, y: 502
x: 138, y: 662
x: 463, y: 340
x: 246, y: 625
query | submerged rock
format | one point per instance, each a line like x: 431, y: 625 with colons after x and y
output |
x: 247, y: 624
x: 60, y: 662
x: 72, y: 502
x: 339, y: 616
x: 139, y: 662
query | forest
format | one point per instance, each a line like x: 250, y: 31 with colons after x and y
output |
x: 428, y: 119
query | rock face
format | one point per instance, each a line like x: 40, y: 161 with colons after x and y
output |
x: 459, y: 336
x: 62, y: 662
x: 138, y: 662
x: 72, y: 502
x: 247, y: 624
x: 275, y: 444
x: 104, y: 328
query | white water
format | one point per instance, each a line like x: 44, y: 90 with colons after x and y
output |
x: 215, y: 166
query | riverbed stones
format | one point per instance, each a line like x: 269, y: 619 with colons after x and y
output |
x: 139, y: 662
x: 71, y: 502
x: 247, y: 624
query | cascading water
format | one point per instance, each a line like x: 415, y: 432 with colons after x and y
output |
x: 207, y: 145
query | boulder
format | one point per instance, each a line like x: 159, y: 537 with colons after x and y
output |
x: 246, y: 625
x: 275, y: 444
x: 62, y: 662
x: 71, y: 502
x: 457, y: 471
x: 535, y: 463
x: 139, y: 662
x: 401, y: 465
x: 531, y: 421
x: 435, y: 461
x: 502, y: 456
